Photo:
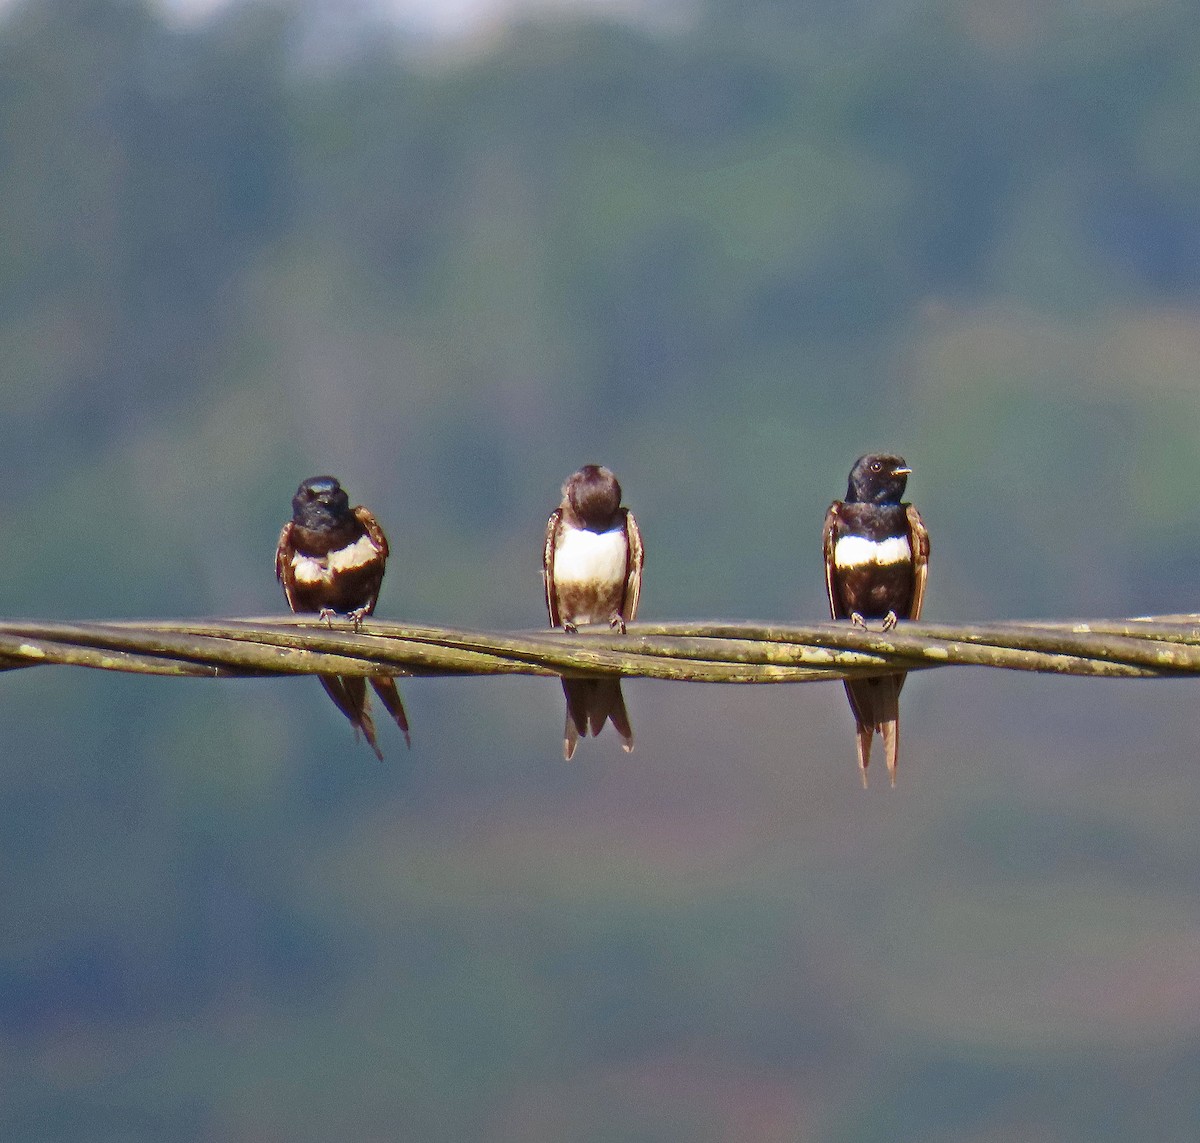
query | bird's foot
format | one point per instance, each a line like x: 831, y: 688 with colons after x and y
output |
x: 327, y: 615
x: 570, y: 629
x: 617, y: 623
x: 358, y: 615
x: 889, y: 621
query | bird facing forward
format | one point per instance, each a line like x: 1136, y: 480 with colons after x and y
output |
x: 876, y: 564
x: 331, y: 560
x: 592, y: 563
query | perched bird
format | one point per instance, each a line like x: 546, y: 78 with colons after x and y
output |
x: 592, y: 563
x: 876, y: 563
x: 330, y: 561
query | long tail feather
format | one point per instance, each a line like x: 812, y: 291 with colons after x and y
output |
x: 862, y: 705
x: 335, y: 689
x: 389, y: 694
x: 349, y: 694
x: 590, y: 704
x: 619, y: 716
x: 356, y: 688
x: 889, y: 722
x: 890, y: 729
x: 876, y: 706
x: 576, y: 691
x: 863, y: 736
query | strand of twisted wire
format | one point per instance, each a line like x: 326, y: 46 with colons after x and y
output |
x: 835, y: 646
x: 440, y: 650
x: 717, y: 652
x: 1018, y: 646
x: 710, y: 658
x: 244, y: 648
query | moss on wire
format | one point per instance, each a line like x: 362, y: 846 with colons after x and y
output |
x: 1161, y: 646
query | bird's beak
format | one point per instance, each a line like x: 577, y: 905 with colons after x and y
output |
x: 902, y: 471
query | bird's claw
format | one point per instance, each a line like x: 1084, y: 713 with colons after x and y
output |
x: 570, y: 629
x: 358, y: 615
x: 617, y: 623
x: 327, y: 615
x: 889, y: 621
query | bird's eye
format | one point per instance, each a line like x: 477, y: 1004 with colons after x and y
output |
x: 876, y: 466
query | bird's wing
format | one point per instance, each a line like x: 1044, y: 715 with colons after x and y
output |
x: 367, y: 519
x: 635, y: 559
x: 548, y: 566
x: 828, y: 541
x: 284, y: 569
x: 920, y: 558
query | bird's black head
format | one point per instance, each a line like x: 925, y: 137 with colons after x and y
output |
x: 320, y: 504
x: 594, y: 496
x: 877, y: 478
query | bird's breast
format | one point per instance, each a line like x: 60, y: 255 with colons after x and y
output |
x: 583, y: 557
x: 322, y: 569
x: 857, y: 551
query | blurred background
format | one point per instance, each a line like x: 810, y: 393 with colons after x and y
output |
x: 449, y: 252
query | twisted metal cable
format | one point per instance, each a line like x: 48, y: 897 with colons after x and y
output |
x: 1151, y: 647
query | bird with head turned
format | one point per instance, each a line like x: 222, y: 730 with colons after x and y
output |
x: 592, y: 565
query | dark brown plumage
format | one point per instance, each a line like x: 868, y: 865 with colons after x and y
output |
x: 876, y: 565
x: 330, y: 560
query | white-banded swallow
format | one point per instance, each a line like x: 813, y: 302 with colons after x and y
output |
x: 876, y: 564
x: 331, y: 560
x: 592, y: 563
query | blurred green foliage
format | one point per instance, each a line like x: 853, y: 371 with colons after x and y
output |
x: 724, y: 259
